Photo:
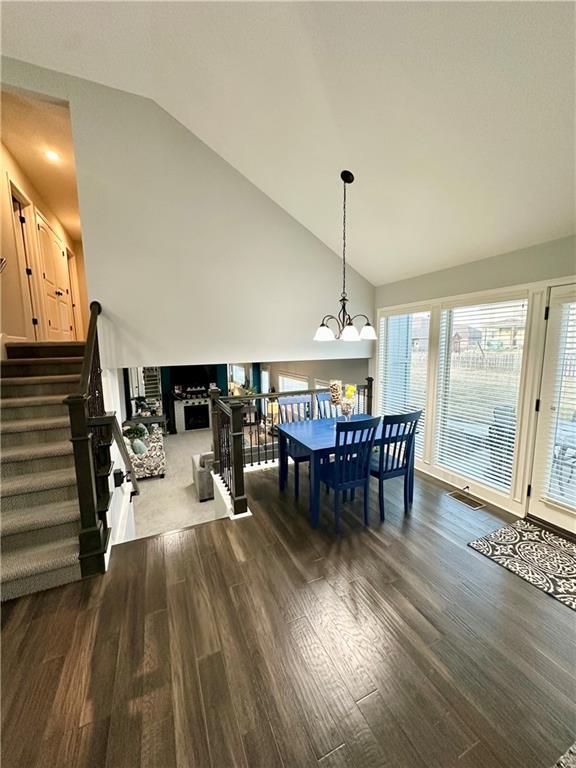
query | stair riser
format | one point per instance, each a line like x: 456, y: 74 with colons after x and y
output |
x: 20, y: 541
x: 34, y: 411
x: 41, y: 581
x: 29, y: 390
x: 9, y: 439
x: 10, y: 368
x: 32, y: 466
x: 34, y: 350
x: 47, y: 496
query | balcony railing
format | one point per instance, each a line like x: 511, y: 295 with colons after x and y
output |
x: 245, y: 432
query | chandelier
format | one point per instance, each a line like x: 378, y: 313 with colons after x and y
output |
x: 344, y: 330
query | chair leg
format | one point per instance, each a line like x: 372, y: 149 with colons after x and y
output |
x: 352, y: 494
x: 344, y: 496
x: 337, y: 511
x: 296, y: 479
x: 366, y: 505
x: 381, y: 498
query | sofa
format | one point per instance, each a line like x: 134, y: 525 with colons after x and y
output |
x: 202, y: 475
x: 152, y: 463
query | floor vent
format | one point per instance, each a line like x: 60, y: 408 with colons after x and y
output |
x: 465, y: 499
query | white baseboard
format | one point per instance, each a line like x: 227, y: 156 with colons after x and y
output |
x: 223, y: 500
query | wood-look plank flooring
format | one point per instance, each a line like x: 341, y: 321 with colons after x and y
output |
x: 262, y: 643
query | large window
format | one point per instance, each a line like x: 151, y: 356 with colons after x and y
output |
x: 292, y: 383
x: 404, y: 366
x: 479, y: 369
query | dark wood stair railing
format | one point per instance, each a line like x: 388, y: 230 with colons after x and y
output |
x: 93, y: 431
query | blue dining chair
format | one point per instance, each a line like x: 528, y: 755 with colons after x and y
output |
x: 351, y: 466
x: 395, y: 454
x: 295, y: 408
x: 326, y: 408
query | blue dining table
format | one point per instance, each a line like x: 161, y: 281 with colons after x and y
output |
x: 318, y: 438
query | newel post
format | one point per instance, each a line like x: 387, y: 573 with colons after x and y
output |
x: 240, y: 504
x: 93, y: 533
x: 215, y: 422
x: 369, y: 385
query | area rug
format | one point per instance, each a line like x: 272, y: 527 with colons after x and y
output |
x: 568, y: 760
x: 544, y: 559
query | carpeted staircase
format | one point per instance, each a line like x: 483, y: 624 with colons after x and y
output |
x: 40, y: 516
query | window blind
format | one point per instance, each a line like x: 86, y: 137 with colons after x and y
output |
x: 403, y: 367
x: 479, y: 370
x: 292, y: 383
x: 559, y: 480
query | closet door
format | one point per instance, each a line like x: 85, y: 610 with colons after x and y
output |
x: 553, y: 493
x: 55, y: 285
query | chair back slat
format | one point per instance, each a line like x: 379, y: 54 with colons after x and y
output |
x: 354, y: 446
x: 397, y: 441
x: 296, y: 408
x: 326, y: 408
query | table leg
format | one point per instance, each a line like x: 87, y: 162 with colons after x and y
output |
x: 282, y: 461
x: 314, y: 489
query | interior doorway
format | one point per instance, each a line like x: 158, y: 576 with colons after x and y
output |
x: 44, y: 296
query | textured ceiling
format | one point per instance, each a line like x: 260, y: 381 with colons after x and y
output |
x: 456, y: 118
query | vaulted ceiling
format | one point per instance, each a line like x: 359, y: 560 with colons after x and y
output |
x: 456, y: 118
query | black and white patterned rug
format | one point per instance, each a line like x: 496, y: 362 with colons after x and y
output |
x: 568, y: 760
x: 540, y: 557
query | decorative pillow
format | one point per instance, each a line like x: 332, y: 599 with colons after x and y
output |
x: 139, y: 447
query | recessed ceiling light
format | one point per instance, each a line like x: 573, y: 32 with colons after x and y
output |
x: 54, y: 157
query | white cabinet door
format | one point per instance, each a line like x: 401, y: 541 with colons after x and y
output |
x: 55, y: 285
x: 553, y: 496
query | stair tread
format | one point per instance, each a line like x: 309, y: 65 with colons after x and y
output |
x: 15, y: 361
x: 32, y: 344
x: 60, y: 378
x: 42, y: 516
x: 37, y: 451
x: 39, y: 481
x: 39, y: 559
x: 31, y: 400
x: 32, y: 425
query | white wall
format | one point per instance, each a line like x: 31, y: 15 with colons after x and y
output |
x: 348, y: 371
x: 191, y: 262
x: 546, y: 261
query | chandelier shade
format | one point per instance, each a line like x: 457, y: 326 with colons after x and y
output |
x: 344, y: 328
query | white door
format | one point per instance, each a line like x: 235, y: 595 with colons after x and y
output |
x: 55, y: 285
x: 553, y: 494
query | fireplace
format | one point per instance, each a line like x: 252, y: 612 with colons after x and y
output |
x: 192, y: 414
x: 196, y: 415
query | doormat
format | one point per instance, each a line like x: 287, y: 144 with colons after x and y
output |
x: 568, y: 760
x: 544, y: 559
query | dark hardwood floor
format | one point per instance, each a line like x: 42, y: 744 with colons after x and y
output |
x: 260, y: 642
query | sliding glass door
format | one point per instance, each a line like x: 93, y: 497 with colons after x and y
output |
x: 404, y: 366
x: 553, y: 496
x: 478, y: 382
